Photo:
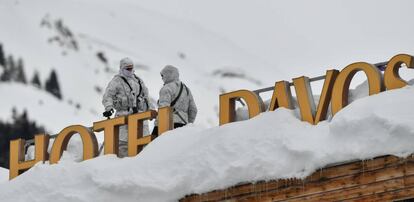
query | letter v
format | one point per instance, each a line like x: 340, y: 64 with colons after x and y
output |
x: 305, y: 97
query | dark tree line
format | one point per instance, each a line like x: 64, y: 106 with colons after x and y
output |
x: 20, y: 127
x: 13, y: 71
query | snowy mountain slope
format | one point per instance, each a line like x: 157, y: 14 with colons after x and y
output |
x: 38, y: 103
x: 195, y: 160
x: 257, y: 42
x: 151, y: 39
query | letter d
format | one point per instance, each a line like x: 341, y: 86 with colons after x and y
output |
x: 227, y: 105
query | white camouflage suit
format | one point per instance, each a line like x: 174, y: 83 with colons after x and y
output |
x: 185, y: 104
x: 118, y: 96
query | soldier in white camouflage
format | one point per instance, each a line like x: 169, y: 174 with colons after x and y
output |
x: 126, y: 93
x: 177, y: 95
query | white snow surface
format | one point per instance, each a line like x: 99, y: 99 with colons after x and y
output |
x: 192, y: 159
x: 4, y: 175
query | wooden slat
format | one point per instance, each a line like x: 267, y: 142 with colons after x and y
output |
x: 366, y: 190
x: 341, y: 186
x: 357, y: 179
x: 403, y: 193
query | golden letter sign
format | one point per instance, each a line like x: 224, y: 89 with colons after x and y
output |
x: 335, y: 91
x: 90, y: 146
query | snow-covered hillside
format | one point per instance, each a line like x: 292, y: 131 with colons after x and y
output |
x: 38, y: 33
x: 218, y: 46
x: 195, y: 160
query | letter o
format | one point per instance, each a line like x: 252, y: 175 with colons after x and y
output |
x: 341, y: 86
x: 90, y: 144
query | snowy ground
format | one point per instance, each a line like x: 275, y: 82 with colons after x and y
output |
x: 4, y: 175
x: 192, y: 159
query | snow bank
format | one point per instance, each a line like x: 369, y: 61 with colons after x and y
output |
x: 194, y: 160
x: 4, y: 175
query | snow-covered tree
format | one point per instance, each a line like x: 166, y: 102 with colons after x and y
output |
x: 2, y: 57
x: 20, y: 75
x: 52, y: 85
x: 36, y: 80
x: 10, y: 64
x: 9, y: 69
x: 12, y: 71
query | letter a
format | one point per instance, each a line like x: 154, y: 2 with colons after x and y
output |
x: 282, y: 97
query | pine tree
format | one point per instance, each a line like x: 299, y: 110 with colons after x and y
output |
x: 52, y: 85
x: 36, y: 81
x: 9, y: 73
x: 8, y: 69
x: 22, y: 127
x: 2, y: 58
x: 10, y: 64
x: 3, y: 73
x: 20, y: 75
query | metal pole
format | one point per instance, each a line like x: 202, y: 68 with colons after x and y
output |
x: 32, y: 141
x: 381, y: 66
